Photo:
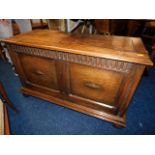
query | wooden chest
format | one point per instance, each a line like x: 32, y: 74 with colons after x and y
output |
x: 95, y: 75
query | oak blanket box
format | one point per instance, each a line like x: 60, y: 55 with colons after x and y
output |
x: 93, y: 74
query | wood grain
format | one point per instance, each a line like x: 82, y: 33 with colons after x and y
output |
x: 111, y: 47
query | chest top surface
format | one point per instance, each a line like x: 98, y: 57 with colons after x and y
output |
x: 129, y: 49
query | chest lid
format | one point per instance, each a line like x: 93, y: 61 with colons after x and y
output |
x: 129, y: 49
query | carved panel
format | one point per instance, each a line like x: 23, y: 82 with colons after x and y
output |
x: 102, y: 63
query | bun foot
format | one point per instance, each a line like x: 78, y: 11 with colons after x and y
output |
x: 25, y: 95
x: 118, y: 126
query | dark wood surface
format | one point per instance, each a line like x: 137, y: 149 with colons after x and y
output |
x: 94, y: 75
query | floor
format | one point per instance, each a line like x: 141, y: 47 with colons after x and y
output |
x: 39, y: 117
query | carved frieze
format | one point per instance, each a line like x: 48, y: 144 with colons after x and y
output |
x: 102, y: 63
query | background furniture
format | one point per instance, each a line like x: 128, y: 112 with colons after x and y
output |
x: 95, y: 75
x: 2, y: 54
x: 5, y: 97
x: 57, y: 24
x: 38, y: 24
x: 153, y: 53
x: 149, y: 30
x: 148, y: 34
x: 4, y: 121
x: 84, y: 26
x: 111, y: 26
x: 102, y: 26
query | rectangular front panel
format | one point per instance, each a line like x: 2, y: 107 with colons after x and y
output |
x: 39, y: 71
x: 95, y: 84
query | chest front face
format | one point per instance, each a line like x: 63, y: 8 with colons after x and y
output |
x: 98, y: 84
